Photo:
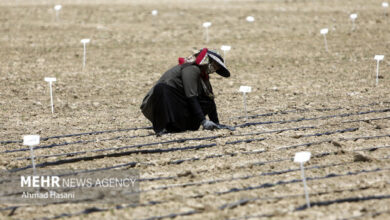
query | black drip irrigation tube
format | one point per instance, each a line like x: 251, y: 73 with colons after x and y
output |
x: 78, y: 134
x: 287, y: 112
x: 305, y: 110
x: 343, y: 200
x: 246, y: 201
x: 366, y: 215
x: 119, y: 154
x: 113, y: 148
x: 367, y: 120
x: 314, y: 118
x: 70, y: 143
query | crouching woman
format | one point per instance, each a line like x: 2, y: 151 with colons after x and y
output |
x: 183, y: 97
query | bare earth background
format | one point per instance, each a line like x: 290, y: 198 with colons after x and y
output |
x: 295, y: 84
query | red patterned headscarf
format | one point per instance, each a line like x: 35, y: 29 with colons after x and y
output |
x: 200, y: 58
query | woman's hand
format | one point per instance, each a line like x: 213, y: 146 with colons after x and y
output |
x: 209, y: 125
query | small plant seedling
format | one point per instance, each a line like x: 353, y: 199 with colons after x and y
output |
x: 250, y: 19
x: 378, y: 58
x: 324, y: 32
x: 84, y: 42
x: 302, y: 157
x: 225, y: 48
x: 244, y: 90
x: 206, y: 25
x: 353, y: 18
x: 31, y: 141
x: 57, y: 8
x: 50, y: 80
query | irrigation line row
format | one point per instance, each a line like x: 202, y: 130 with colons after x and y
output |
x: 328, y: 202
x: 366, y: 120
x: 119, y: 154
x: 246, y: 201
x: 131, y: 146
x: 231, y: 179
x: 266, y: 162
x: 286, y: 112
x: 166, y: 142
x: 281, y: 182
x: 180, y: 140
x: 314, y: 118
x: 119, y: 137
x: 178, y: 161
x: 309, y: 110
x: 243, y: 125
x: 214, y: 181
x: 367, y: 215
x: 64, y: 161
x: 140, y: 128
x: 330, y: 141
x: 94, y: 209
x: 281, y: 172
x: 78, y: 134
x: 74, y: 142
x: 351, y: 199
x: 146, y: 151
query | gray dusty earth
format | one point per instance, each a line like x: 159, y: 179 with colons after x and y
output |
x: 303, y: 98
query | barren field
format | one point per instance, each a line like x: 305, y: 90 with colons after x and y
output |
x: 303, y: 98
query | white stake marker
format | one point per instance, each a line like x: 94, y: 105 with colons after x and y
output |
x: 385, y: 5
x: 244, y: 90
x: 324, y: 32
x: 206, y: 25
x: 50, y: 80
x: 154, y: 12
x: 353, y: 18
x: 378, y: 58
x: 57, y: 8
x: 302, y: 157
x: 31, y: 141
x: 250, y: 19
x: 84, y: 42
x: 225, y: 48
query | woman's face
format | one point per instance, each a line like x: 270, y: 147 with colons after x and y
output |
x: 213, y: 67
